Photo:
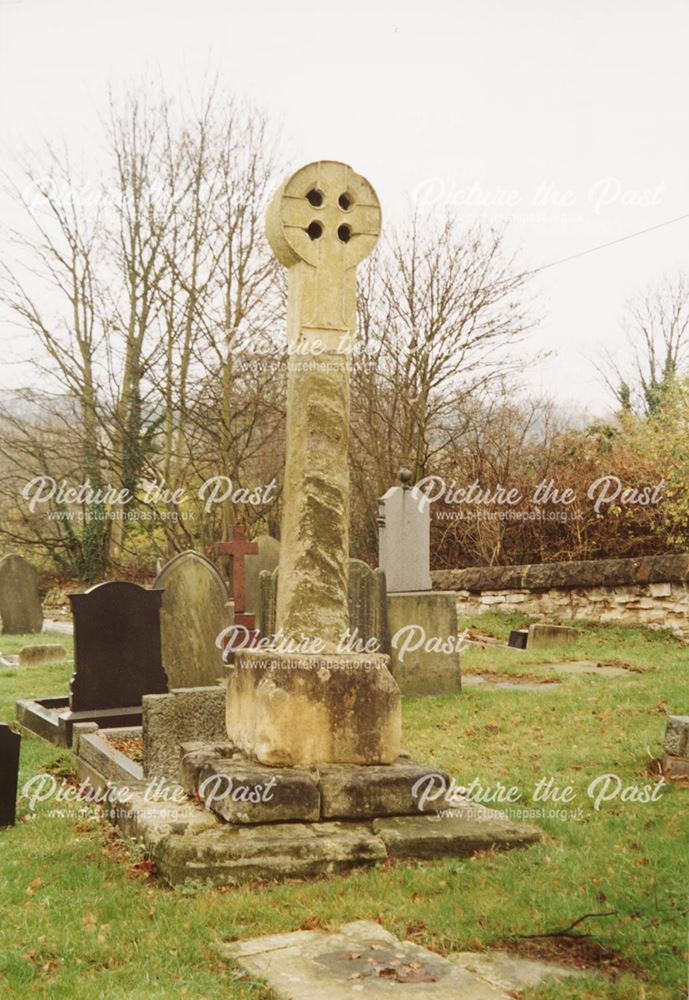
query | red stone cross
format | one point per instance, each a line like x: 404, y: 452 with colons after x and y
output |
x: 238, y: 548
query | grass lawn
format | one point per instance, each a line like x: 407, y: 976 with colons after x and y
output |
x: 81, y: 919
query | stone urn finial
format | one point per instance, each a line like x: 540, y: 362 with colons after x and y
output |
x: 405, y: 477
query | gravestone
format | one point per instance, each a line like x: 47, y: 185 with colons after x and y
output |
x: 404, y: 538
x: 266, y: 560
x: 322, y: 222
x: 433, y: 667
x: 42, y: 653
x: 366, y: 600
x: 541, y: 635
x: 676, y: 747
x: 117, y: 650
x: 20, y: 602
x: 519, y: 638
x: 10, y: 744
x: 267, y: 602
x: 195, y: 610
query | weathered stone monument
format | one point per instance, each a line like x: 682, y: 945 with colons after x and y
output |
x: 421, y: 621
x: 321, y: 223
x: 10, y: 744
x: 311, y: 779
x: 20, y: 602
x: 195, y: 610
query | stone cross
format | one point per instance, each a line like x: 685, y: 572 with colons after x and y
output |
x: 238, y: 548
x: 320, y: 224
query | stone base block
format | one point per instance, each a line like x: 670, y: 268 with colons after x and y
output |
x: 168, y: 720
x: 419, y: 622
x: 242, y: 791
x: 470, y: 828
x: 675, y: 767
x: 363, y: 792
x: 308, y: 709
x: 233, y: 856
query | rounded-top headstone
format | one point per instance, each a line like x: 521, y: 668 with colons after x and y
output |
x: 195, y: 610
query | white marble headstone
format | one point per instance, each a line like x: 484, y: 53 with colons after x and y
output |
x: 404, y: 539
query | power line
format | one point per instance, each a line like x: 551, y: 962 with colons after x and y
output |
x: 602, y: 246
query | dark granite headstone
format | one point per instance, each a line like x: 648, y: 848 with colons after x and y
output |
x: 518, y: 638
x: 9, y: 775
x: 117, y: 650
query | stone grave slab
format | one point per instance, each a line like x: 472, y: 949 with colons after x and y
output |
x: 585, y: 667
x: 478, y: 680
x: 20, y: 602
x: 362, y: 959
x: 10, y: 744
x: 195, y: 610
x: 61, y: 627
x: 511, y: 972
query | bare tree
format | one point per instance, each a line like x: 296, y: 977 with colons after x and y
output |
x: 656, y: 323
x: 151, y: 293
x: 441, y: 311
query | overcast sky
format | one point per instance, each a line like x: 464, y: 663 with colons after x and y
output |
x: 567, y: 118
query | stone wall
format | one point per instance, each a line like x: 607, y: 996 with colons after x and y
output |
x: 651, y: 590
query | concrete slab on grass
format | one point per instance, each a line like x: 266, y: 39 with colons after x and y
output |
x: 362, y: 959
